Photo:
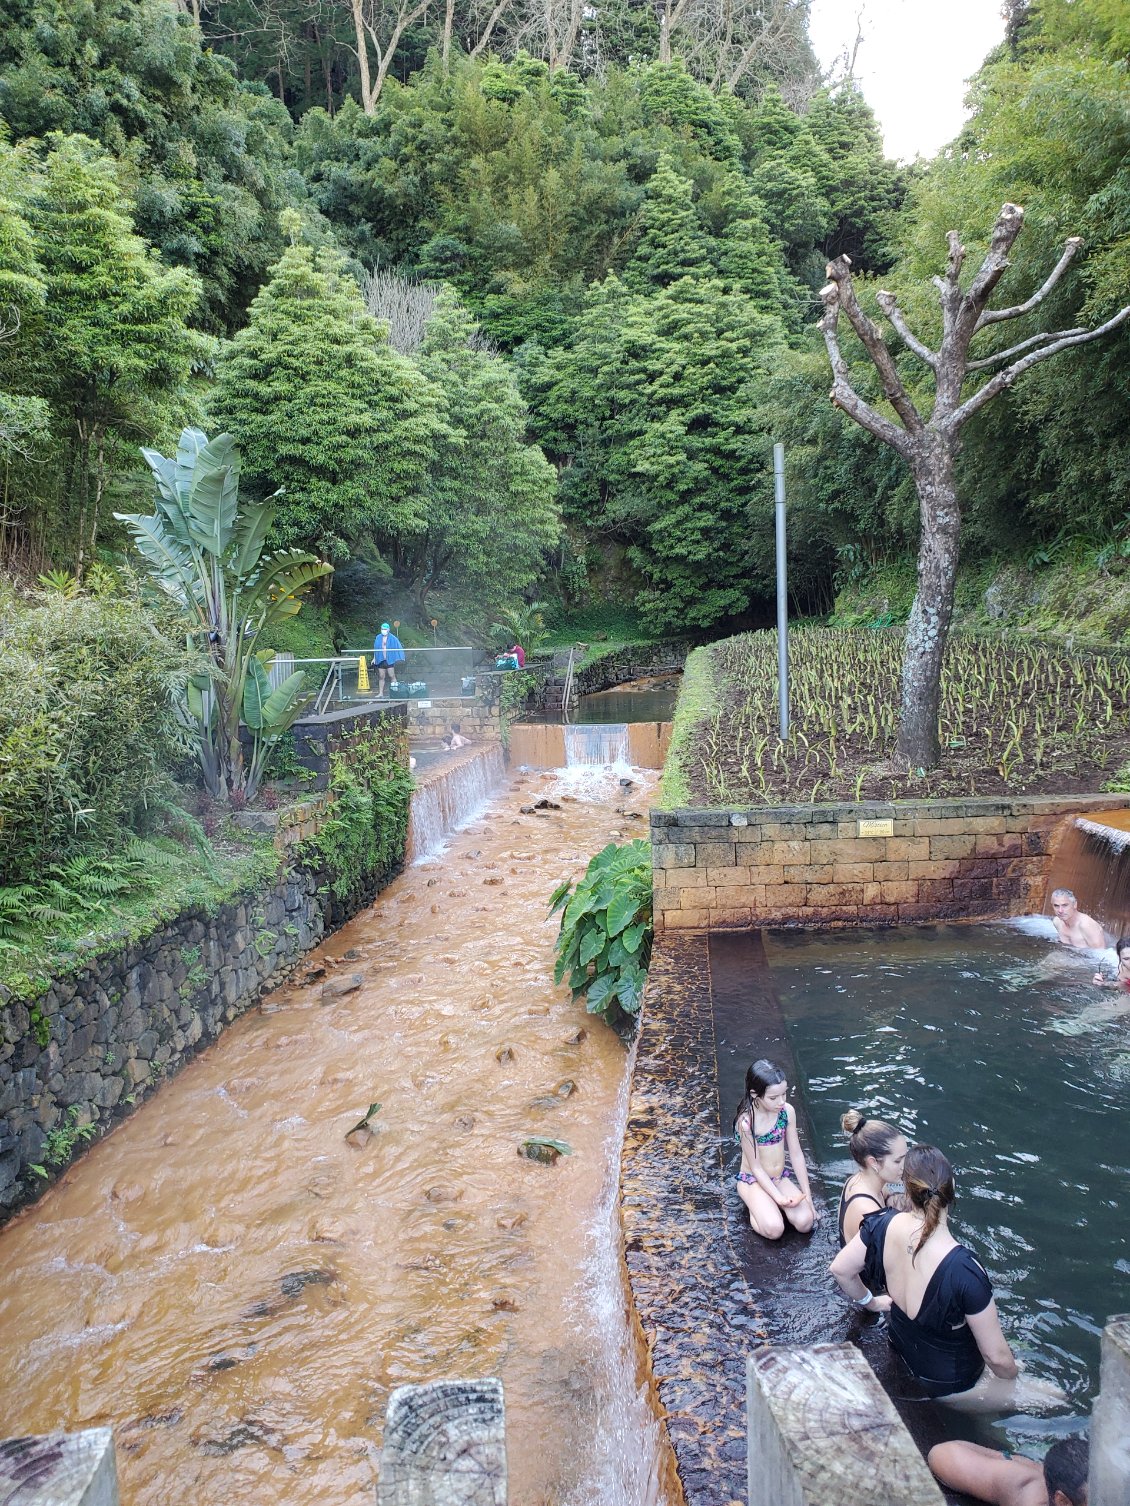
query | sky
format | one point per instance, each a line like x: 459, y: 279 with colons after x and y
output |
x: 912, y: 63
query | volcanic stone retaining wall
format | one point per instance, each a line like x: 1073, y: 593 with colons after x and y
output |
x: 843, y: 865
x: 317, y: 738
x: 98, y: 1041
x: 631, y: 662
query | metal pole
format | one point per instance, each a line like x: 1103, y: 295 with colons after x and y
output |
x: 782, y: 590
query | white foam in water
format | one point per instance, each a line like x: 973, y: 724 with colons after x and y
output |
x: 622, y: 1455
x: 1113, y: 836
x: 1034, y: 925
x: 593, y: 782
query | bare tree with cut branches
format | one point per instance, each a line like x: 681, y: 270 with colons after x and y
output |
x: 929, y: 445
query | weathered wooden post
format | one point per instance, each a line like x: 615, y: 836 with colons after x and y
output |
x: 59, y: 1469
x: 444, y: 1445
x: 1109, y: 1477
x: 821, y: 1429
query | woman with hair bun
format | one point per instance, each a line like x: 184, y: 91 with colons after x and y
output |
x: 878, y: 1149
x: 943, y: 1320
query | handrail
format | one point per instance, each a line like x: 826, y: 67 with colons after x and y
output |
x: 567, y: 690
x: 322, y: 699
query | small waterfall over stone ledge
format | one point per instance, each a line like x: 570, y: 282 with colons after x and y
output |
x: 450, y: 794
x: 1093, y: 860
x: 596, y: 745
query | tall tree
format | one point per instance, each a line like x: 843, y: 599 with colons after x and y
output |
x: 114, y: 343
x: 491, y: 508
x: 203, y: 155
x: 929, y: 445
x: 317, y: 397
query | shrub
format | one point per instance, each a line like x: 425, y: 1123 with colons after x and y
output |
x: 604, y: 944
x: 88, y: 733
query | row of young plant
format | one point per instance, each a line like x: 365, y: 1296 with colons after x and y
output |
x: 1012, y: 713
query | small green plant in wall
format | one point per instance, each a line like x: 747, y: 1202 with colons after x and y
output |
x: 604, y: 943
x: 61, y: 1141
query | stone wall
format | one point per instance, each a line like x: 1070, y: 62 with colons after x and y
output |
x: 83, y: 1054
x: 479, y: 717
x: 631, y: 662
x: 316, y: 738
x: 841, y: 865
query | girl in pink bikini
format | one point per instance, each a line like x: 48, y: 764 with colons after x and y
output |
x: 765, y: 1126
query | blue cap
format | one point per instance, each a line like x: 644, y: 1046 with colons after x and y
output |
x: 384, y: 627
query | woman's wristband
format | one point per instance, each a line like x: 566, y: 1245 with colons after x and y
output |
x: 866, y: 1300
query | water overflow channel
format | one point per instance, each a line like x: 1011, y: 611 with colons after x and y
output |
x: 234, y: 1281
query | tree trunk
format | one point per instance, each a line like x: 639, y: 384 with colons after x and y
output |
x: 368, y: 104
x: 928, y: 625
x: 448, y: 24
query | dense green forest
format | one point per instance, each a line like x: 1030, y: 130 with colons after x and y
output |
x: 513, y: 301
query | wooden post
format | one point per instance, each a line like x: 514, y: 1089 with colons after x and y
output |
x: 59, y: 1469
x: 821, y: 1429
x: 444, y: 1445
x: 1109, y: 1477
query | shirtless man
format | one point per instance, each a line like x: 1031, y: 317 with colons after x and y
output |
x: 1072, y: 926
x: 986, y: 1475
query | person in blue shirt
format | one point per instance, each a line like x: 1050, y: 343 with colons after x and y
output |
x: 388, y: 652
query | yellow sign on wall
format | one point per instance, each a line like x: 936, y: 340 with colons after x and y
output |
x: 883, y: 828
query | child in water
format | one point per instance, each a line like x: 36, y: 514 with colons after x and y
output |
x: 766, y: 1128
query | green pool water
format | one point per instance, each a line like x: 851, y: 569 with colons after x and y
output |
x: 994, y: 1045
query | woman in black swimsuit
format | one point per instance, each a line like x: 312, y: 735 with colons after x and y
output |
x: 878, y: 1149
x: 943, y: 1320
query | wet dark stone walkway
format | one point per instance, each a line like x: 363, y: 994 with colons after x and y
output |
x: 708, y: 1291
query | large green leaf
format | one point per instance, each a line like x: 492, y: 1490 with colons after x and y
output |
x: 256, y: 694
x: 592, y: 944
x: 214, y: 495
x: 173, y: 561
x: 560, y: 896
x: 250, y: 535
x: 599, y: 991
x: 633, y: 936
x: 622, y: 911
x: 284, y: 703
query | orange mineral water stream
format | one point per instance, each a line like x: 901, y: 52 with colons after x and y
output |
x: 235, y: 1286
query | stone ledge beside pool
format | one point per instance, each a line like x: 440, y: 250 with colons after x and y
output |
x: 868, y: 864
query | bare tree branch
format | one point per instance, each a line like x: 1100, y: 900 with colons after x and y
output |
x: 843, y: 394
x: 839, y: 273
x: 994, y: 316
x: 888, y: 303
x: 1006, y: 378
x: 1008, y: 226
x: 1013, y: 350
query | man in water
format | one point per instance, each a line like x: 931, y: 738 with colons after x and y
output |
x: 1072, y: 926
x: 986, y: 1475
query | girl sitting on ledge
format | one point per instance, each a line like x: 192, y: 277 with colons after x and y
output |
x: 766, y: 1127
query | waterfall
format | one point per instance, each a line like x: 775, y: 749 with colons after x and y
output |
x: 597, y: 745
x: 1093, y: 860
x: 451, y: 796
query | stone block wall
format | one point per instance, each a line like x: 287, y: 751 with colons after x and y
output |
x: 479, y: 717
x: 825, y: 865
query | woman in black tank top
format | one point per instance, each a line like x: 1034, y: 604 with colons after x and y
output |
x: 878, y: 1149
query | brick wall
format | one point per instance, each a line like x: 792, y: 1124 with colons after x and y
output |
x: 810, y: 865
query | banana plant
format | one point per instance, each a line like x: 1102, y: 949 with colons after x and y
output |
x: 206, y: 551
